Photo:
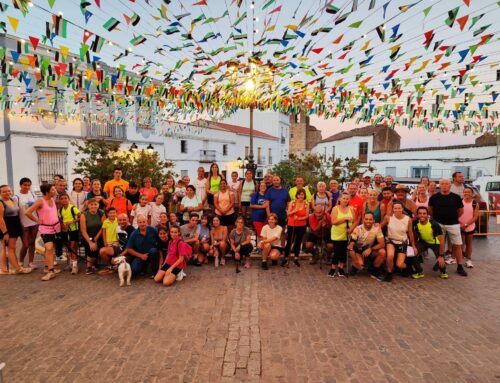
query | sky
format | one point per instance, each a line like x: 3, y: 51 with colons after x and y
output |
x: 411, y: 24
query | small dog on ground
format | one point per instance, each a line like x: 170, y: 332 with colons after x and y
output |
x: 124, y: 270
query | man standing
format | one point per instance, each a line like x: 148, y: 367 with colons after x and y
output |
x: 299, y: 185
x: 401, y: 194
x: 117, y: 180
x: 367, y: 181
x: 457, y: 186
x: 334, y: 192
x: 278, y: 198
x: 141, y: 246
x: 356, y: 201
x: 389, y: 182
x: 377, y: 180
x: 445, y: 207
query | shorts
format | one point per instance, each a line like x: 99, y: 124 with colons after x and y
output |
x: 423, y: 246
x: 227, y: 220
x: 453, y: 232
x: 276, y: 247
x: 311, y: 237
x: 399, y: 248
x: 245, y: 203
x: 70, y: 236
x: 14, y: 227
x: 166, y: 266
x: 468, y: 233
x: 258, y: 227
x: 210, y: 199
x: 47, y: 238
x: 116, y: 250
x: 282, y: 222
x: 30, y: 229
x: 92, y: 254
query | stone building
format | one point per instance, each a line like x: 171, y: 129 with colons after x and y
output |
x: 303, y: 136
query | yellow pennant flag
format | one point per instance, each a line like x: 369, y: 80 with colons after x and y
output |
x: 271, y: 28
x: 292, y: 27
x: 64, y: 51
x: 90, y: 73
x: 367, y: 44
x: 13, y: 22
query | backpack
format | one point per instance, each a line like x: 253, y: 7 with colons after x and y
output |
x: 73, y: 214
x: 189, y: 250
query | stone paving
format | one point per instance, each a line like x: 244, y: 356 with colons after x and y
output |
x: 281, y: 325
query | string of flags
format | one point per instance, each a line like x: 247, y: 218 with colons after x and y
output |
x: 167, y: 61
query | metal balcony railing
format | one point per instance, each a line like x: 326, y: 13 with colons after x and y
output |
x: 208, y: 155
x: 106, y: 130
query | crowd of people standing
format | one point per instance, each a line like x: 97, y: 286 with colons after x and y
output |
x: 373, y: 225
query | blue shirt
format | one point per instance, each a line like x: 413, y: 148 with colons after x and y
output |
x: 258, y: 215
x: 278, y: 199
x: 143, y: 243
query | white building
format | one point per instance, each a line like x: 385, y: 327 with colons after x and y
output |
x: 35, y: 139
x: 378, y: 147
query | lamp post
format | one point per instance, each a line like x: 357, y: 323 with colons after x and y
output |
x: 243, y: 164
x: 251, y: 163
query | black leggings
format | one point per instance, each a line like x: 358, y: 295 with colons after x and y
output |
x: 294, y: 235
x: 339, y: 252
x: 245, y: 250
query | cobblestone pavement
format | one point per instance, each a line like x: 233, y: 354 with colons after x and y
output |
x: 283, y: 325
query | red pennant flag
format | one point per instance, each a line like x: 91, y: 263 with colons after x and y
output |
x: 86, y: 36
x: 317, y: 50
x: 202, y: 2
x: 34, y: 42
x: 428, y: 36
x: 277, y: 9
x: 343, y: 56
x: 98, y: 3
x: 467, y: 2
x: 461, y: 21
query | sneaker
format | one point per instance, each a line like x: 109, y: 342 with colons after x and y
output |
x: 179, y: 276
x: 417, y: 275
x: 216, y: 262
x: 450, y: 261
x: 284, y: 262
x: 22, y: 270
x: 50, y: 275
x: 387, y: 277
x: 331, y: 273
x: 222, y: 260
x: 264, y: 265
x: 443, y: 276
x: 74, y: 268
x: 341, y: 272
x: 89, y: 271
x: 274, y: 263
x: 32, y: 266
x: 469, y: 264
x: 184, y: 275
x: 461, y: 271
x: 296, y: 262
x: 61, y: 258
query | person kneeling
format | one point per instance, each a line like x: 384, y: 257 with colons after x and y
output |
x: 175, y: 261
x: 367, y: 246
x: 241, y: 246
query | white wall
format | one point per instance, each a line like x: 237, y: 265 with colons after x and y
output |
x: 348, y: 147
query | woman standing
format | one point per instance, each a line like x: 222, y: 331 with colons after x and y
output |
x: 10, y: 230
x: 372, y: 205
x: 213, y: 185
x: 190, y: 203
x: 147, y: 189
x: 468, y: 223
x: 246, y: 191
x: 91, y: 228
x: 421, y: 198
x: 87, y: 184
x: 98, y: 194
x: 298, y: 212
x: 399, y: 236
x: 259, y: 204
x: 120, y: 202
x: 224, y: 205
x: 78, y: 195
x: 241, y: 246
x: 342, y: 219
x: 218, y: 237
x: 321, y: 198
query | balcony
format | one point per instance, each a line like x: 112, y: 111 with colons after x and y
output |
x: 106, y: 130
x: 208, y: 156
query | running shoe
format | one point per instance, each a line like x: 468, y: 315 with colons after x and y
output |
x: 296, y: 262
x: 284, y: 262
x: 331, y: 273
x: 341, y: 272
x: 443, y: 276
x: 417, y: 275
x: 222, y: 260
x: 74, y: 268
x: 450, y: 261
x: 461, y: 271
x: 32, y: 266
x: 469, y: 264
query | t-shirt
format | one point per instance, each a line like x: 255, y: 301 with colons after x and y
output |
x: 68, y: 214
x: 188, y: 233
x: 190, y: 202
x: 143, y: 243
x: 140, y: 210
x: 151, y: 193
x: 200, y: 186
x: 335, y: 197
x: 122, y: 205
x: 102, y: 202
x: 155, y: 212
x: 458, y: 189
x: 176, y: 249
x: 110, y: 227
x: 364, y: 237
x: 278, y: 199
x: 133, y: 198
x: 268, y: 232
x: 204, y: 232
x: 357, y: 203
x: 445, y: 208
x: 93, y: 222
x: 25, y: 201
x: 315, y: 227
x: 235, y: 187
x: 123, y: 235
x: 293, y: 193
x: 109, y: 186
x: 239, y: 237
x: 258, y: 215
x: 426, y: 233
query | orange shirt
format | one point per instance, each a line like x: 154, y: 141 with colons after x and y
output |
x: 151, y: 193
x: 122, y: 205
x: 110, y: 185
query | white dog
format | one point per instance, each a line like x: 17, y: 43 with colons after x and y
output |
x: 124, y: 270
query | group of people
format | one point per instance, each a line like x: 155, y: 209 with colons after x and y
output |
x: 374, y: 224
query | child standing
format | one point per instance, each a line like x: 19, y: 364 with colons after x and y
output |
x: 156, y: 209
x: 110, y: 237
x: 69, y: 215
x: 141, y: 208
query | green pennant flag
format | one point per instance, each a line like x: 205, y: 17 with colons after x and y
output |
x: 474, y: 20
x: 111, y: 24
x: 3, y: 7
x: 427, y: 10
x: 51, y: 3
x: 356, y: 24
x: 452, y: 15
x: 268, y: 4
x: 240, y: 19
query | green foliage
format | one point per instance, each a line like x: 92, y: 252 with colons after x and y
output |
x: 98, y: 158
x: 314, y: 168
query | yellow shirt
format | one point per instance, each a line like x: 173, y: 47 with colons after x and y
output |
x: 110, y: 186
x: 293, y: 193
x: 66, y: 214
x: 339, y: 232
x: 426, y: 234
x: 110, y: 227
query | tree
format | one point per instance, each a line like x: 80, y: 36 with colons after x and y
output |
x: 314, y: 168
x: 98, y: 158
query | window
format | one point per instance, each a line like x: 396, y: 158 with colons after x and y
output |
x: 269, y: 157
x: 259, y: 155
x: 224, y: 149
x: 333, y: 153
x: 363, y: 152
x: 247, y: 150
x: 184, y: 146
x: 390, y: 171
x: 417, y: 172
x: 51, y: 161
x: 493, y: 186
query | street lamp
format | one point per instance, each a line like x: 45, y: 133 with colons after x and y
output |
x: 243, y: 164
x: 150, y: 149
x: 134, y: 147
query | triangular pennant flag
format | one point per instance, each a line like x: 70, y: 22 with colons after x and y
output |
x: 462, y: 21
x: 385, y: 7
x: 404, y: 8
x: 381, y: 32
x: 51, y: 3
x: 275, y: 10
x: 34, y: 42
x: 452, y: 14
x: 15, y: 56
x: 13, y: 22
x: 467, y: 2
x: 474, y: 20
x: 372, y: 5
x: 88, y: 15
x: 427, y: 10
x: 356, y: 24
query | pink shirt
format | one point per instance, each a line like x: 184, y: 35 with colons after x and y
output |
x: 172, y: 255
x: 48, y: 216
x: 467, y: 216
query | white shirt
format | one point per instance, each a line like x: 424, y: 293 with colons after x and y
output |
x: 267, y: 233
x: 155, y: 212
x: 140, y: 210
x: 25, y: 201
x: 235, y: 187
x: 200, y: 186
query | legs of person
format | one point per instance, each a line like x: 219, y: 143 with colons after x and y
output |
x: 3, y: 257
x: 137, y: 266
x: 455, y: 237
x: 106, y: 253
x: 290, y: 234
x: 49, y: 254
x: 391, y: 249
x: 378, y: 258
x: 153, y: 259
x: 169, y: 279
x: 73, y: 248
x: 357, y: 260
x: 25, y: 245
x: 11, y: 253
x: 467, y: 240
x: 400, y: 260
x: 159, y: 276
x: 342, y: 254
x: 297, y: 243
x: 266, y: 250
